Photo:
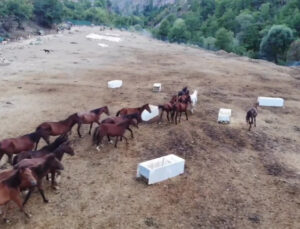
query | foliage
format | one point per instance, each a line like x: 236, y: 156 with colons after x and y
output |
x: 224, y: 39
x: 276, y: 42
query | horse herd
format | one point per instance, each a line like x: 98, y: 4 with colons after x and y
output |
x: 31, y: 166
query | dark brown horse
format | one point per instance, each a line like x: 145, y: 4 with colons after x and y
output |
x: 251, y: 116
x: 58, y: 128
x: 168, y: 107
x: 138, y: 110
x: 12, y: 146
x: 59, y: 147
x: 90, y: 117
x: 116, y: 120
x: 10, y: 182
x: 40, y: 167
x: 180, y: 107
x: 112, y: 130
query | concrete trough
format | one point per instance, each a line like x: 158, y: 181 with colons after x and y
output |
x: 115, y: 83
x: 157, y: 87
x: 224, y: 115
x: 161, y: 169
x: 146, y: 116
x: 270, y: 102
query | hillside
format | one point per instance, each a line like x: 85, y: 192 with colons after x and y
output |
x: 233, y: 178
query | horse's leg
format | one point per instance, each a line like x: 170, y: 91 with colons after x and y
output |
x: 16, y: 198
x: 186, y: 115
x: 255, y: 121
x: 176, y: 117
x: 125, y: 139
x: 53, y: 182
x: 168, y: 116
x: 28, y: 196
x: 130, y: 132
x: 10, y: 161
x: 116, y: 141
x: 41, y: 190
x: 91, y: 126
x: 37, y: 144
x: 180, y: 116
x: 78, y: 129
x: 162, y: 112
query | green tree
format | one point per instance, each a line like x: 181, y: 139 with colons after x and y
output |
x: 21, y: 9
x: 48, y: 12
x: 224, y: 39
x: 164, y: 30
x: 178, y: 31
x: 276, y: 42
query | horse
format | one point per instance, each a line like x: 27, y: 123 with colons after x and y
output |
x: 90, y: 117
x: 139, y: 110
x: 62, y: 147
x: 194, y: 99
x: 167, y: 107
x: 111, y: 130
x: 12, y: 146
x: 116, y: 120
x: 40, y: 167
x: 10, y: 181
x: 58, y: 128
x: 251, y: 116
x: 180, y: 107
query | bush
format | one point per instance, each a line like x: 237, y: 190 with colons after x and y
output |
x: 209, y: 43
x: 276, y: 42
x: 178, y: 31
x: 48, y: 12
x: 224, y: 39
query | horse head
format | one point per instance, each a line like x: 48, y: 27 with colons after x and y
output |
x: 146, y: 107
x: 106, y: 111
x: 67, y: 148
x: 27, y: 177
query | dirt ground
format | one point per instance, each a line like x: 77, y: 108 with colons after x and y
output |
x: 233, y: 178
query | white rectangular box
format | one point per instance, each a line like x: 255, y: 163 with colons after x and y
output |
x: 270, y: 102
x: 115, y: 83
x: 224, y: 115
x: 161, y: 169
x: 157, y: 87
x: 146, y: 116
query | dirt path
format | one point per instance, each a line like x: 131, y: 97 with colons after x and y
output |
x: 233, y: 178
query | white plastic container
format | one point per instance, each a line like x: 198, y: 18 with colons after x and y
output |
x: 161, y: 169
x: 224, y: 115
x: 157, y: 87
x: 146, y: 116
x: 115, y: 83
x: 270, y: 102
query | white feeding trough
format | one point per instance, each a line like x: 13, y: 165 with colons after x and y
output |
x: 102, y: 37
x: 157, y: 87
x: 115, y: 83
x: 146, y: 116
x: 161, y: 169
x: 270, y: 102
x: 224, y: 115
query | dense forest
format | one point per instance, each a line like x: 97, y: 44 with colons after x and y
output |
x: 267, y: 29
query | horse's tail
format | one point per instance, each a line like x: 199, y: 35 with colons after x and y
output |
x: 118, y: 113
x: 96, y: 134
x: 15, y: 160
x: 248, y: 116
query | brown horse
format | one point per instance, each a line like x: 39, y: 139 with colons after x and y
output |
x: 10, y: 182
x: 58, y: 128
x: 12, y: 146
x: 251, y: 116
x: 40, y: 167
x: 180, y: 107
x: 168, y: 107
x: 139, y: 110
x: 116, y: 120
x: 90, y: 117
x: 112, y: 130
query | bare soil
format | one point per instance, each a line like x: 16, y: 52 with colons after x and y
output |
x: 233, y: 178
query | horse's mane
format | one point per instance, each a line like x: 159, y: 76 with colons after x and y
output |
x: 13, y: 180
x: 58, y: 141
x: 98, y: 110
x: 34, y: 136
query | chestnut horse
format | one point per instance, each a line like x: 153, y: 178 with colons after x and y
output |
x: 90, y: 117
x: 12, y: 146
x: 10, y: 182
x: 168, y: 107
x: 180, y: 107
x: 58, y: 128
x: 112, y: 130
x: 40, y: 167
x: 116, y: 120
x: 251, y: 116
x: 139, y: 110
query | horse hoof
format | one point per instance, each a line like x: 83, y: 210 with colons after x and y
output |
x: 111, y: 142
x: 46, y: 201
x: 28, y: 215
x: 6, y: 221
x: 55, y: 187
x: 97, y: 148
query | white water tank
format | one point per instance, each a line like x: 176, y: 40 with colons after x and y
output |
x: 115, y: 83
x: 270, y: 102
